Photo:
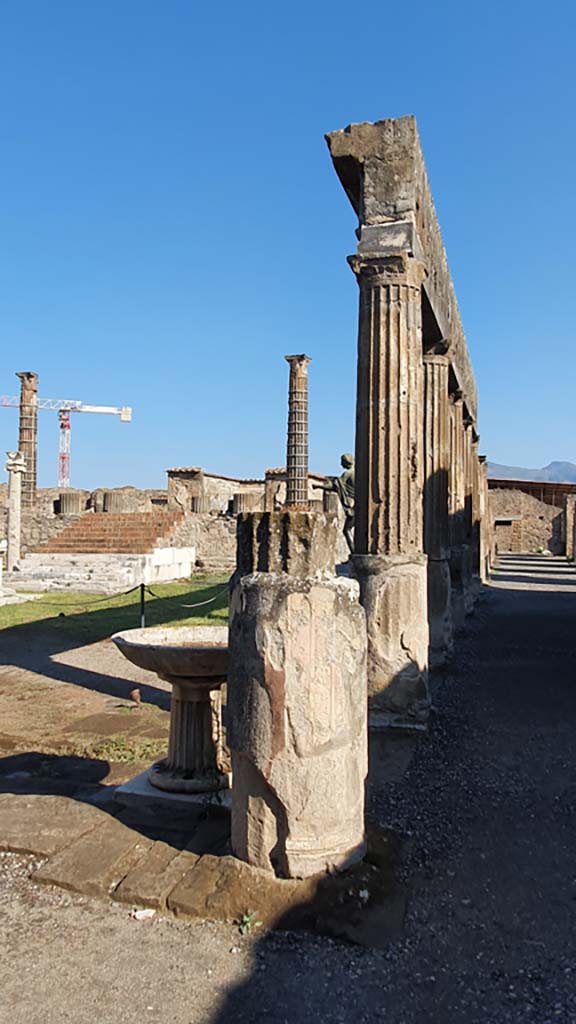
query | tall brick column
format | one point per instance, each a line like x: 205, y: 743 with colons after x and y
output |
x: 297, y: 445
x: 389, y: 559
x: 28, y: 434
x: 436, y: 521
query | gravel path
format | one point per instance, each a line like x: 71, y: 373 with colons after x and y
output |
x: 486, y: 809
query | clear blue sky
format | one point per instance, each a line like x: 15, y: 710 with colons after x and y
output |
x: 171, y: 225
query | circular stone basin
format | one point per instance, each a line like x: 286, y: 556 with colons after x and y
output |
x: 177, y: 651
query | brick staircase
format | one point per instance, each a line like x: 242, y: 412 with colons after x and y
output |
x: 106, y: 552
x: 113, y: 532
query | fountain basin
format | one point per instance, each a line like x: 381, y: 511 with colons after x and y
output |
x: 173, y: 652
x: 194, y: 659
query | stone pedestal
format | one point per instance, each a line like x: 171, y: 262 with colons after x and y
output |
x: 297, y: 708
x: 393, y: 591
x: 331, y: 502
x: 15, y: 467
x: 191, y: 765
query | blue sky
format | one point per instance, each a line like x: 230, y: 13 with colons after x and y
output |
x: 171, y: 224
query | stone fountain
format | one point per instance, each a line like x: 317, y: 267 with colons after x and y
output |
x: 194, y: 660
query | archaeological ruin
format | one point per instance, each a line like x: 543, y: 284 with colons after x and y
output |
x: 344, y: 589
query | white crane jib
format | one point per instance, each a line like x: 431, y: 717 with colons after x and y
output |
x: 64, y: 407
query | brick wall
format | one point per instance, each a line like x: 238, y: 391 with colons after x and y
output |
x: 534, y: 526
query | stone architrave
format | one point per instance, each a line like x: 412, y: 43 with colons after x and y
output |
x: 297, y: 442
x: 28, y: 435
x: 436, y: 521
x: 15, y: 467
x: 296, y: 705
x: 389, y: 559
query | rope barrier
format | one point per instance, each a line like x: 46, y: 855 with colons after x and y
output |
x: 72, y: 605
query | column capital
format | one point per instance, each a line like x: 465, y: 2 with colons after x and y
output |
x: 298, y: 361
x: 377, y: 271
x: 15, y: 462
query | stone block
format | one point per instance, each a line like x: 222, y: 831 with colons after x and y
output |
x: 224, y: 889
x: 44, y: 824
x: 297, y: 543
x: 95, y: 864
x: 393, y: 591
x: 153, y: 878
x: 296, y: 723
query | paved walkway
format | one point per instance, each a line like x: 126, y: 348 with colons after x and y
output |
x: 486, y: 810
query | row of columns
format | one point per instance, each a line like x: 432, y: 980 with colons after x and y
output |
x: 420, y: 488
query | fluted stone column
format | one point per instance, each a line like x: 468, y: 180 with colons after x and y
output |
x: 485, y: 524
x: 569, y: 525
x: 16, y: 468
x: 297, y: 446
x: 389, y: 559
x: 28, y: 435
x: 436, y: 521
x: 467, y: 554
x: 457, y: 499
x: 476, y: 517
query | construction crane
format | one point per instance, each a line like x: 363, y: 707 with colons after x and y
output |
x: 65, y: 407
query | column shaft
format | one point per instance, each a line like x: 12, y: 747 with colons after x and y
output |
x: 297, y: 445
x: 389, y: 560
x: 436, y: 519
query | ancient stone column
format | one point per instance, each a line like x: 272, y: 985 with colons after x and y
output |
x: 296, y: 708
x: 28, y: 434
x: 485, y: 524
x: 16, y: 468
x: 457, y: 498
x: 389, y: 561
x: 297, y: 445
x: 570, y: 503
x: 436, y: 521
x: 71, y: 503
x: 200, y: 503
x: 476, y: 517
x: 468, y: 516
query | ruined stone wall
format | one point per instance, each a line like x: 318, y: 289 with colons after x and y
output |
x: 213, y: 536
x: 539, y: 526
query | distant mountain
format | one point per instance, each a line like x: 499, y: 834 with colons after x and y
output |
x: 555, y: 472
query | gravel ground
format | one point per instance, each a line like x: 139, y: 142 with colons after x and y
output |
x: 486, y: 811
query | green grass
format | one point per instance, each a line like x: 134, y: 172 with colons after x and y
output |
x: 91, y: 617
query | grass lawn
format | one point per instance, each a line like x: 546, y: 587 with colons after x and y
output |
x: 92, y: 617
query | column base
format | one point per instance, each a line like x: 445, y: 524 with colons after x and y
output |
x: 393, y: 591
x: 439, y: 611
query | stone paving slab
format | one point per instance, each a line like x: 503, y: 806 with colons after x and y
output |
x: 224, y: 889
x: 95, y: 863
x: 93, y: 853
x: 43, y: 824
x: 153, y: 878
